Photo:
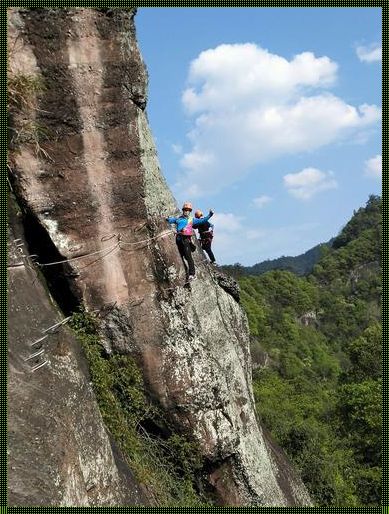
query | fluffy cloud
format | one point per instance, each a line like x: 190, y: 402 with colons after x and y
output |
x: 243, y: 72
x: 261, y: 201
x: 372, y: 53
x: 373, y: 167
x: 307, y: 183
x: 249, y: 106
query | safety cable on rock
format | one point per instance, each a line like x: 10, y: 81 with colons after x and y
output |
x: 77, y: 258
x: 101, y: 257
x: 108, y: 249
x: 166, y: 232
x: 108, y: 237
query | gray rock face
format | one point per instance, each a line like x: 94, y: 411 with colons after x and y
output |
x: 102, y: 198
x: 229, y: 284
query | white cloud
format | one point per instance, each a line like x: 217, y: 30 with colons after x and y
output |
x: 177, y: 149
x: 228, y: 233
x: 227, y: 222
x: 249, y: 106
x: 307, y: 183
x: 231, y: 224
x: 261, y: 201
x: 373, y: 167
x: 236, y: 241
x: 372, y: 53
x: 256, y: 234
x: 231, y: 73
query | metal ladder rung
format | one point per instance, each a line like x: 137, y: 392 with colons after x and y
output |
x: 34, y: 355
x: 39, y: 340
x: 39, y: 365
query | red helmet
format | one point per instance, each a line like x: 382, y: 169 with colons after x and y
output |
x: 198, y: 214
x: 187, y: 205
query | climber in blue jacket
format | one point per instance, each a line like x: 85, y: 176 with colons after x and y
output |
x: 185, y: 224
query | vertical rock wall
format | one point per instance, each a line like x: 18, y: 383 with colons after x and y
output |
x: 95, y: 187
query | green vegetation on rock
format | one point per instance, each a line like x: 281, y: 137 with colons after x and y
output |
x: 22, y: 90
x: 165, y: 463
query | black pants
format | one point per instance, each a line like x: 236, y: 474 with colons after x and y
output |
x: 206, y: 246
x: 184, y: 247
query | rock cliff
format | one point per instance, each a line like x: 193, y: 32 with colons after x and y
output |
x: 85, y: 171
x: 59, y: 452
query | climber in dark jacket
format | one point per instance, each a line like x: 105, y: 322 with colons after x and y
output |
x: 206, y: 235
x: 185, y: 224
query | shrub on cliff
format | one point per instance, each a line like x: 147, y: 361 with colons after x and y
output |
x: 165, y: 462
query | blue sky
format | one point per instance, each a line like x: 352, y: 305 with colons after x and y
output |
x: 270, y: 116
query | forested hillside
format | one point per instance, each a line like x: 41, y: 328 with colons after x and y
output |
x: 316, y: 347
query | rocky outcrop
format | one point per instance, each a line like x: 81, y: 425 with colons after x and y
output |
x: 94, y: 197
x: 228, y: 283
x: 308, y: 319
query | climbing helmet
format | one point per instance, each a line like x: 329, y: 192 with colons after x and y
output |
x: 187, y: 206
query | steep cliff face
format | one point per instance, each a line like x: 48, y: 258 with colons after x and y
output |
x: 95, y: 197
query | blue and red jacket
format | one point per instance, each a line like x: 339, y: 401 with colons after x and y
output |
x: 185, y: 225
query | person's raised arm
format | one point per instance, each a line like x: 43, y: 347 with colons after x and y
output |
x: 200, y: 221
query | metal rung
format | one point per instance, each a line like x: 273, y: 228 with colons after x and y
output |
x: 39, y: 340
x: 39, y: 366
x: 34, y: 355
x: 56, y: 325
x: 17, y: 265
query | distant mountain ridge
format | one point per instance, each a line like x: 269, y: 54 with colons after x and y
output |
x: 300, y: 264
